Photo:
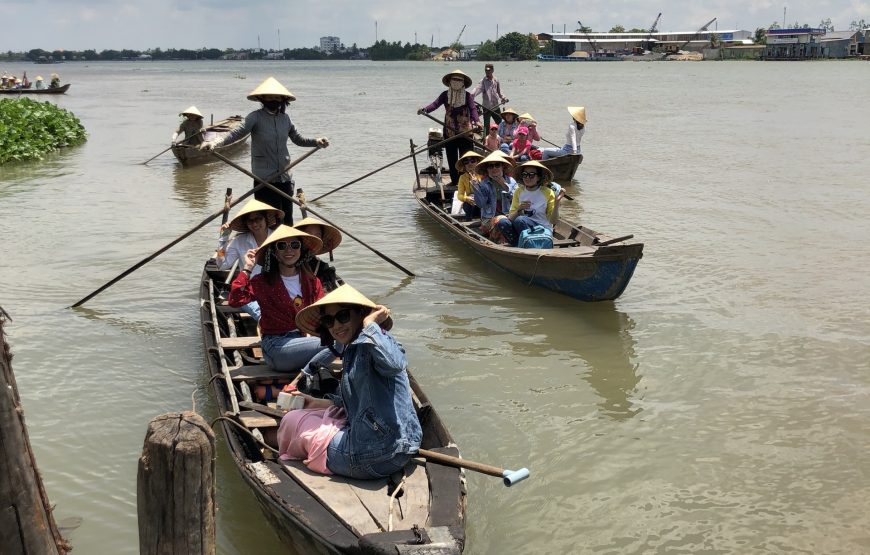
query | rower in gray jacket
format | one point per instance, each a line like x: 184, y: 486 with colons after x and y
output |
x: 270, y: 127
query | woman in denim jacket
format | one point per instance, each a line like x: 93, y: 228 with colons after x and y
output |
x: 493, y: 192
x: 382, y: 431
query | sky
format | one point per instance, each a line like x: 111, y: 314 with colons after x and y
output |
x: 192, y: 24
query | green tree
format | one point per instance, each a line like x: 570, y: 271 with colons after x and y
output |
x: 760, y: 36
x: 487, y: 52
x: 517, y: 46
x: 583, y: 29
x: 616, y: 29
x: 636, y: 30
x: 858, y: 25
x: 826, y: 25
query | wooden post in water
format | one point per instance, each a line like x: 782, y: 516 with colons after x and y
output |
x: 26, y: 522
x: 175, y: 487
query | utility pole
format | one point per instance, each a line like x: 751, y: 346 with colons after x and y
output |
x: 784, y: 26
x: 279, y: 39
x: 376, y: 31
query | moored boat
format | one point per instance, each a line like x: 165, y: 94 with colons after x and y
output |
x: 582, y: 264
x: 190, y: 155
x: 55, y: 90
x: 421, y: 511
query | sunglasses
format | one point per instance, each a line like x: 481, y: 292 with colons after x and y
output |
x: 528, y: 174
x: 342, y: 317
x: 282, y: 245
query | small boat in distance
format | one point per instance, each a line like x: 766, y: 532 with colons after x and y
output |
x: 582, y: 264
x: 190, y: 155
x: 50, y: 90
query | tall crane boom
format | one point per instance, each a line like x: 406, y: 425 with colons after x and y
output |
x: 459, y: 36
x: 589, y: 38
x: 698, y: 32
x: 651, y: 31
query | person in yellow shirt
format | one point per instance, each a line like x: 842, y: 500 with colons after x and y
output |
x: 467, y: 181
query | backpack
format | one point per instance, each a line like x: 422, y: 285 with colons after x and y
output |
x: 538, y: 237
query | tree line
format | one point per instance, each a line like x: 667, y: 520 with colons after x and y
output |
x: 510, y: 46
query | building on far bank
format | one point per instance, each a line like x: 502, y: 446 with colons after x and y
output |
x: 842, y: 44
x: 330, y: 44
x: 576, y: 44
x: 809, y: 43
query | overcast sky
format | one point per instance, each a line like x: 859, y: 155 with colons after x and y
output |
x: 118, y: 24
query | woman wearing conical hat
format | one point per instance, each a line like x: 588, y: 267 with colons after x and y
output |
x: 191, y: 126
x: 282, y: 289
x: 460, y: 115
x: 532, y: 204
x: 270, y: 126
x: 575, y: 132
x: 493, y: 192
x: 369, y: 427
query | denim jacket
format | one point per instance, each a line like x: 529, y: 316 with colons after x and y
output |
x: 487, y: 193
x: 376, y: 395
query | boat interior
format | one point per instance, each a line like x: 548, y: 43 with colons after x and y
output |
x: 241, y: 379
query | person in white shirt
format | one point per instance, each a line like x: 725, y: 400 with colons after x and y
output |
x: 572, y: 138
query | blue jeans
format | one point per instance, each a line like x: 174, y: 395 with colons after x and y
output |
x: 338, y: 461
x: 252, y: 308
x: 547, y: 153
x: 290, y: 351
x: 512, y: 229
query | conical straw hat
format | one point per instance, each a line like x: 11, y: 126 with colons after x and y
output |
x: 460, y: 164
x: 192, y: 111
x: 273, y: 215
x: 456, y: 73
x: 273, y: 87
x: 509, y: 111
x: 494, y: 157
x: 286, y: 233
x: 308, y: 319
x: 548, y: 173
x: 331, y: 235
x: 578, y: 113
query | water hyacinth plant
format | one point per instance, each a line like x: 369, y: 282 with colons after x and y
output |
x: 30, y: 129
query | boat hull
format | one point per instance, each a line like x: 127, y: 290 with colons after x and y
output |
x: 580, y: 267
x: 56, y: 90
x: 563, y: 167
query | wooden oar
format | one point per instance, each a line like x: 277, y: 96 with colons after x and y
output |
x: 393, y: 163
x: 319, y: 216
x: 203, y: 130
x: 509, y: 477
x: 192, y: 231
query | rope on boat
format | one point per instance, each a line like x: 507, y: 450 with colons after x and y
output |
x: 247, y: 431
x: 400, y: 486
x: 535, y: 271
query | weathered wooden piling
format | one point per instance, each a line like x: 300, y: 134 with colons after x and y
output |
x: 175, y: 489
x: 26, y: 521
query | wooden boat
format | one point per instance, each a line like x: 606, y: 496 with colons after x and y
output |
x: 312, y: 512
x: 190, y: 155
x: 583, y: 263
x: 563, y: 167
x: 55, y: 90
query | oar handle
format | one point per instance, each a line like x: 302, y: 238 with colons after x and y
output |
x: 509, y: 477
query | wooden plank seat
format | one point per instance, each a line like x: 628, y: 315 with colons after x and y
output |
x: 254, y: 419
x: 365, y: 504
x: 561, y: 243
x: 245, y: 342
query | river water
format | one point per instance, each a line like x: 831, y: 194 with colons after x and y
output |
x: 721, y: 405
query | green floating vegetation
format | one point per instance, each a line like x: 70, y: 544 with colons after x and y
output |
x: 31, y: 129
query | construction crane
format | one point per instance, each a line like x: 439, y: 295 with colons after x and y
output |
x: 698, y: 32
x: 459, y: 36
x: 647, y: 45
x: 589, y: 38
